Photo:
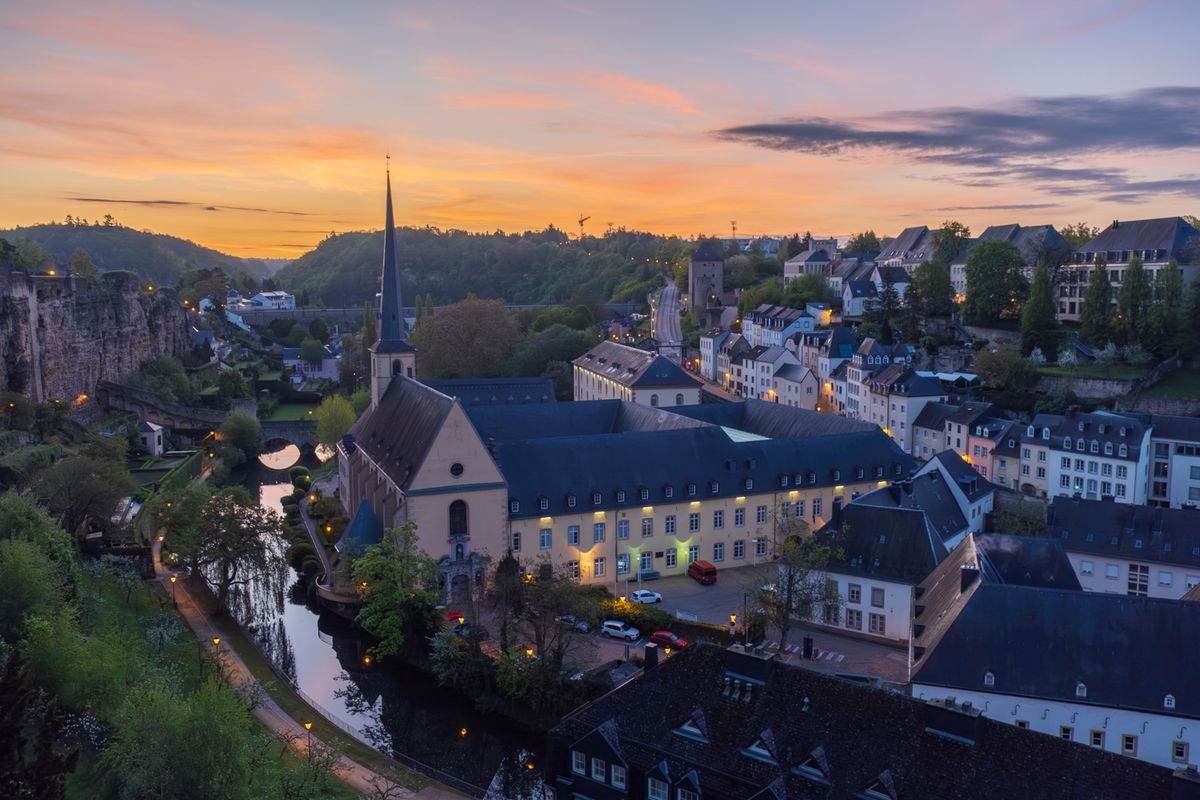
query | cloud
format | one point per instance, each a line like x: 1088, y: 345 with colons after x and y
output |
x: 631, y: 91
x: 1095, y: 23
x: 186, y: 204
x: 504, y: 101
x: 1026, y: 140
x: 1001, y: 207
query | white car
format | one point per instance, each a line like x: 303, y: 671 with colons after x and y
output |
x: 645, y: 596
x: 620, y: 630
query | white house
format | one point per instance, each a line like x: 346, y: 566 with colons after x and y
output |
x: 150, y: 437
x: 277, y: 300
x: 710, y: 348
x: 1126, y: 549
x: 758, y: 368
x: 769, y: 326
x: 1112, y: 672
x: 895, y: 396
x: 1175, y: 466
x: 796, y: 386
x: 1098, y: 455
x: 612, y: 371
x: 857, y: 295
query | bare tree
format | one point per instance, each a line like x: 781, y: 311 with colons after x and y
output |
x: 801, y: 587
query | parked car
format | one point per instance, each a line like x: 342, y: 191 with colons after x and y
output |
x: 645, y: 596
x: 616, y: 629
x: 572, y: 621
x: 703, y: 572
x: 668, y: 639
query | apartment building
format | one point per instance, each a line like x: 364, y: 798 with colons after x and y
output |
x: 1099, y: 455
x: 895, y: 397
x: 613, y: 371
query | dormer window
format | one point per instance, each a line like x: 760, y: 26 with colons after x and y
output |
x: 543, y: 504
x: 1011, y: 444
x: 668, y: 492
x: 898, y: 469
x: 837, y: 475
x: 644, y: 493
x: 1046, y: 434
x: 812, y: 477
x: 1108, y: 448
x: 783, y: 480
x: 858, y: 472
x: 979, y: 430
x: 878, y: 472
x: 1122, y: 430
x: 1029, y: 431
x: 691, y: 490
x: 1095, y: 446
x: 620, y: 495
x: 798, y: 479
x: 597, y: 498
x: 693, y: 728
x: 1081, y: 427
x: 760, y: 751
x: 989, y: 678
x: 1079, y: 445
x: 1123, y: 451
x: 514, y: 506
x: 1067, y: 443
x: 1081, y: 690
x: 571, y: 500
x: 1169, y: 702
x: 714, y: 487
x: 749, y: 484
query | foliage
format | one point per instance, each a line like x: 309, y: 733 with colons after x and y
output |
x: 333, y: 418
x: 22, y: 519
x: 232, y: 385
x: 1166, y: 330
x: 995, y: 283
x: 1079, y: 233
x: 32, y: 587
x: 81, y: 264
x: 319, y: 330
x: 1134, y: 299
x: 1096, y: 312
x: 33, y: 760
x: 931, y: 293
x: 297, y: 334
x: 949, y: 241
x: 528, y: 680
x: 1036, y: 357
x: 1006, y: 369
x: 360, y: 400
x: 83, y: 487
x: 1068, y: 358
x: 226, y: 538
x: 558, y: 343
x: 801, y: 589
x: 472, y: 338
x: 1026, y: 518
x: 164, y: 377
x: 1039, y: 324
x: 865, y: 242
x: 312, y: 351
x: 398, y: 583
x: 242, y: 431
x: 457, y: 662
x: 1108, y: 355
x: 810, y: 287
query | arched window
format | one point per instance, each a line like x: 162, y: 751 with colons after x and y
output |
x: 397, y: 367
x: 458, y: 519
x: 679, y: 399
x: 654, y: 400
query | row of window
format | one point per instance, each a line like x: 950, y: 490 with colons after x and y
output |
x: 1138, y: 582
x: 1129, y: 741
x: 1092, y: 486
x: 1122, y: 450
x: 1094, y: 467
x: 601, y: 771
x: 670, y: 558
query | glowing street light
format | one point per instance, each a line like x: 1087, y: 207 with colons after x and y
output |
x: 174, y: 602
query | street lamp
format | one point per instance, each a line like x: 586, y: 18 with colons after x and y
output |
x: 174, y: 602
x: 308, y: 730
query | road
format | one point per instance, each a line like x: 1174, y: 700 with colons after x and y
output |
x: 666, y: 317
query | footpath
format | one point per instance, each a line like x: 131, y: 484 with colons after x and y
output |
x: 358, y: 777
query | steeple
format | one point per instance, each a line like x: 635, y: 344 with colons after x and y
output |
x: 392, y: 354
x: 391, y: 320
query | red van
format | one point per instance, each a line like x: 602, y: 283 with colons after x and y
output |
x: 703, y: 572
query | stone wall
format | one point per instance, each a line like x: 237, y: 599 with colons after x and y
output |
x: 1184, y: 408
x: 59, y: 337
x: 1056, y: 386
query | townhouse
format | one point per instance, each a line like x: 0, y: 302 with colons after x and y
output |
x: 895, y: 397
x: 1175, y: 467
x: 613, y: 371
x: 710, y: 349
x: 870, y: 357
x: 755, y: 370
x: 796, y: 386
x: 770, y: 325
x: 728, y: 352
x: 1099, y: 455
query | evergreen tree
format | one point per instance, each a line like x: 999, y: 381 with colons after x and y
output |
x: 369, y: 333
x: 995, y: 281
x: 1096, y: 313
x: 429, y: 304
x: 1039, y: 328
x: 1164, y: 333
x: 1134, y: 299
x: 1190, y: 326
x: 931, y: 293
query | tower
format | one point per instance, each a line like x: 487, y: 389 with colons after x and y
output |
x: 391, y: 354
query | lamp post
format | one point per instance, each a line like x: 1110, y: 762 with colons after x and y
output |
x: 174, y: 601
x: 308, y: 731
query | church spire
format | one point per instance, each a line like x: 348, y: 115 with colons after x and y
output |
x: 391, y: 319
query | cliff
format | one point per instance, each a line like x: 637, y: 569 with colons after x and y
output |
x: 59, y: 337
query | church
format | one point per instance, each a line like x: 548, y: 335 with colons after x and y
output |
x: 608, y: 491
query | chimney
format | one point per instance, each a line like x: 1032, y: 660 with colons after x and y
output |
x: 969, y: 573
x: 651, y: 660
x: 1116, y: 224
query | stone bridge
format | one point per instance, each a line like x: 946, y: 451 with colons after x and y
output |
x: 149, y: 408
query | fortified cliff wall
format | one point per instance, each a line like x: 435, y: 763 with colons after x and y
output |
x: 61, y: 336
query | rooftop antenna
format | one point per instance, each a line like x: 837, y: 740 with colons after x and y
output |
x: 733, y: 226
x: 582, y: 219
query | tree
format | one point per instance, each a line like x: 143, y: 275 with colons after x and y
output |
x: 1191, y: 317
x: 399, y: 584
x: 81, y: 264
x: 1134, y: 300
x: 360, y: 400
x: 297, y: 334
x: 31, y: 585
x: 1165, y: 331
x: 369, y: 334
x: 801, y: 587
x: 34, y: 760
x: 995, y: 283
x: 1039, y: 325
x: 334, y: 418
x: 949, y: 241
x: 29, y: 256
x: 1006, y: 369
x: 470, y: 338
x: 242, y: 431
x: 83, y: 487
x: 505, y: 596
x: 931, y: 294
x: 1096, y: 312
x: 556, y: 343
x: 811, y: 287
x: 226, y: 538
x: 1079, y: 234
x: 232, y: 385
x: 312, y: 351
x: 865, y: 242
x: 319, y: 330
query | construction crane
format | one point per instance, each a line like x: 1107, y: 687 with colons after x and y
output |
x: 733, y: 226
x: 582, y: 219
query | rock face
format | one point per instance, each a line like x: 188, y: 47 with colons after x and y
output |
x: 59, y: 337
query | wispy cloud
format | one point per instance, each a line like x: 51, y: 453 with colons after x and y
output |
x: 189, y: 204
x: 1088, y: 25
x: 1001, y: 207
x: 504, y: 100
x: 1035, y: 139
x: 632, y: 91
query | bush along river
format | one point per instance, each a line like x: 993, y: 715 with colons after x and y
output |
x: 399, y: 709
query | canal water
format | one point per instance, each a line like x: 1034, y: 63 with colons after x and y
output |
x: 401, y: 710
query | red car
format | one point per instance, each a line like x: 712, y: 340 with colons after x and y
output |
x: 668, y: 639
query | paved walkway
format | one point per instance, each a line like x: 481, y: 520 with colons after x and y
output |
x: 356, y: 776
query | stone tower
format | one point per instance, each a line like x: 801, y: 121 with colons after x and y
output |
x: 391, y: 354
x: 706, y: 284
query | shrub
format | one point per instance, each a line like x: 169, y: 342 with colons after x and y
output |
x: 1068, y: 358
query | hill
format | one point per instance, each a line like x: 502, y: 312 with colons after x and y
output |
x: 532, y: 267
x: 158, y: 257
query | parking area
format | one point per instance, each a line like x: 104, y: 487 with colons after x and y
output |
x: 684, y: 597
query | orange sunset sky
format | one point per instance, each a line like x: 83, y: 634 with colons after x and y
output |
x: 258, y: 127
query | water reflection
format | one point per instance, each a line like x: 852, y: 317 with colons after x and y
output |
x: 401, y: 711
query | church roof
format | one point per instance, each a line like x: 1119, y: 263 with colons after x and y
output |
x: 398, y: 433
x: 391, y: 316
x: 364, y: 530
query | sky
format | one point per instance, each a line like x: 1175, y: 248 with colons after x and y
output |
x: 258, y: 127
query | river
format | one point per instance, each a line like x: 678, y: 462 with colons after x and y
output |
x: 399, y: 709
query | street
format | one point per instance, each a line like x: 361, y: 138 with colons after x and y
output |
x: 666, y: 317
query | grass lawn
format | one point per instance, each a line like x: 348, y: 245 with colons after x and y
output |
x: 292, y: 411
x: 1182, y: 384
x: 1118, y: 372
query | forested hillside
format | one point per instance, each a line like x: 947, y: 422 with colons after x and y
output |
x: 158, y: 257
x: 533, y: 267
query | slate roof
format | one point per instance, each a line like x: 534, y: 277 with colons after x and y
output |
x: 793, y: 372
x: 928, y: 493
x: 1042, y: 642
x: 581, y: 418
x: 913, y: 244
x: 1167, y: 426
x: 398, y: 433
x: 860, y: 288
x: 934, y: 415
x: 841, y: 343
x: 1167, y: 234
x: 1038, y: 423
x: 1127, y: 532
x: 1009, y: 431
x: 632, y: 367
x: 363, y: 531
x: 972, y: 484
x: 557, y: 468
x: 849, y: 269
x: 1101, y: 427
x: 892, y: 544
x: 899, y: 378
x: 1025, y: 561
x: 773, y: 420
x: 817, y: 256
x: 894, y: 275
x: 850, y: 736
x: 1032, y: 241
x: 967, y: 413
x: 707, y: 251
x: 496, y: 391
